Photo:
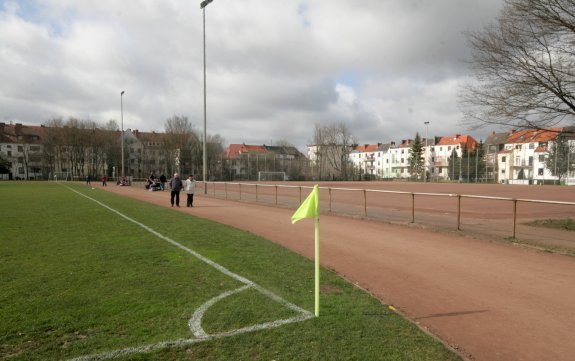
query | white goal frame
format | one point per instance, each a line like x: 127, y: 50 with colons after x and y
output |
x: 264, y: 176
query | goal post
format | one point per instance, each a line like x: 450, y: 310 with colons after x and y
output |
x: 61, y: 176
x: 271, y: 176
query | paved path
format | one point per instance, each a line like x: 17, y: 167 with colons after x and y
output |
x: 490, y: 301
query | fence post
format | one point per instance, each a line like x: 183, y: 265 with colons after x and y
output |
x: 276, y: 195
x: 365, y: 202
x: 240, y: 191
x: 329, y: 199
x: 459, y: 212
x: 514, y: 217
x: 299, y: 194
x: 226, y: 189
x: 214, y: 189
x: 256, y: 193
x: 412, y: 207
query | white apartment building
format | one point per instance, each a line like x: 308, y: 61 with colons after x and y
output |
x: 523, y: 159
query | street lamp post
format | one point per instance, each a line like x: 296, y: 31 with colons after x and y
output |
x: 203, y: 5
x: 426, y: 156
x: 122, y: 121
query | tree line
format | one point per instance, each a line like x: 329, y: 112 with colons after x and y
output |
x: 83, y: 147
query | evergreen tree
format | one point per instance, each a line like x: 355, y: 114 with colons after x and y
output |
x: 453, y: 165
x: 4, y: 166
x: 416, y: 161
x: 561, y: 156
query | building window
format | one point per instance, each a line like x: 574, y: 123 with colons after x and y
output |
x: 503, y: 159
x: 531, y: 145
x: 518, y: 146
x: 20, y: 148
x: 541, y: 158
x: 503, y: 171
x: 449, y: 148
x: 540, y: 171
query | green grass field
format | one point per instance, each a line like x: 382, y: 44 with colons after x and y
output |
x: 78, y: 280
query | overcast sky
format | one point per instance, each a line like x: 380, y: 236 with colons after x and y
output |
x: 274, y: 68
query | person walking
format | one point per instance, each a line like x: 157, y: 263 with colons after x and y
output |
x: 104, y: 181
x: 176, y: 186
x: 162, y: 182
x: 189, y: 187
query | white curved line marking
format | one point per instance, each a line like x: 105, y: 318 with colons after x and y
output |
x: 195, y: 321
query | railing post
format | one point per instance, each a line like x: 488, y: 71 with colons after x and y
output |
x: 514, y: 217
x: 365, y: 202
x: 329, y: 199
x: 412, y: 207
x: 459, y: 212
x: 276, y: 195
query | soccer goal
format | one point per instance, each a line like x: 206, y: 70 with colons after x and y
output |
x: 271, y: 176
x: 61, y: 176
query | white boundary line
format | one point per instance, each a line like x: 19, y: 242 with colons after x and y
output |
x: 195, y: 322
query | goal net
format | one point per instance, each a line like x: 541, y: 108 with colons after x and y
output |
x: 61, y: 176
x: 271, y: 176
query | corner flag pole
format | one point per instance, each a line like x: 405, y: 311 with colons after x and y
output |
x: 317, y: 265
x: 310, y: 209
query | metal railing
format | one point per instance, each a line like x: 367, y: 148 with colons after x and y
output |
x: 292, y: 196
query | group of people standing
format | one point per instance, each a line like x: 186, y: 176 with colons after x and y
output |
x: 177, y: 185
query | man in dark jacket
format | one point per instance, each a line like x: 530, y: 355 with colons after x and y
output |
x: 176, y: 186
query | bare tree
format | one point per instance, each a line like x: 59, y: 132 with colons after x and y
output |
x: 333, y: 145
x: 181, y: 141
x: 524, y: 66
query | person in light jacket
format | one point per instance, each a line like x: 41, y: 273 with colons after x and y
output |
x: 176, y: 186
x: 189, y: 187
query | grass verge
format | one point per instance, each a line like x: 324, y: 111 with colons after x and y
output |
x: 77, y: 280
x: 562, y: 224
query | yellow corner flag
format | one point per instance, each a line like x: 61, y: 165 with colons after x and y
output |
x: 309, y: 207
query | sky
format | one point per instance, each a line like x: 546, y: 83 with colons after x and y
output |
x: 274, y: 68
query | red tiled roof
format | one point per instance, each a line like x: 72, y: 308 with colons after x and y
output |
x: 541, y: 149
x: 18, y: 133
x: 533, y: 135
x: 463, y: 140
x: 234, y: 150
x: 367, y: 148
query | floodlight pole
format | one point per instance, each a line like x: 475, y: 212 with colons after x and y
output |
x: 426, y: 157
x: 122, y: 121
x: 203, y: 5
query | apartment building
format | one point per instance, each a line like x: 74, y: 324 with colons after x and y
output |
x: 21, y: 146
x: 522, y: 160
